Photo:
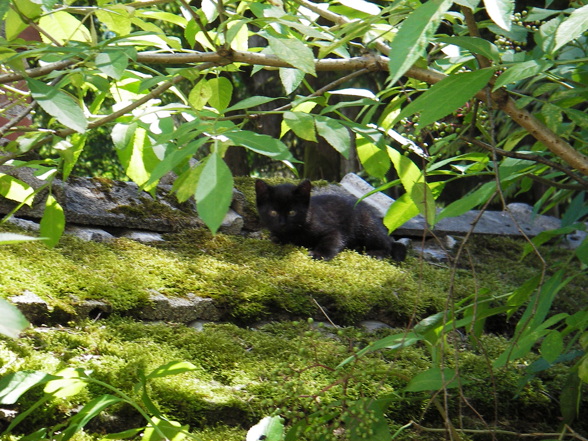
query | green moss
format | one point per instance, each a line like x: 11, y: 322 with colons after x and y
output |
x: 244, y: 374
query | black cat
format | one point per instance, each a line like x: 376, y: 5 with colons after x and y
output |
x: 325, y: 224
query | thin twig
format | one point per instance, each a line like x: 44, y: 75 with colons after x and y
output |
x: 572, y: 434
x: 196, y: 18
x: 324, y: 312
x: 535, y: 158
x: 17, y: 118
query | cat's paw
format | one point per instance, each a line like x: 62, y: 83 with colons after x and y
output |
x: 399, y: 249
x: 317, y: 255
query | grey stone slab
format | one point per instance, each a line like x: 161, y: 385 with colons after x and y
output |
x: 516, y: 220
x: 179, y: 309
x: 89, y: 234
x: 358, y: 188
x: 142, y: 236
x: 33, y: 307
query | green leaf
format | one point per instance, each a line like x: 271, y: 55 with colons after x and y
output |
x: 522, y: 294
x: 164, y: 430
x: 413, y: 181
x: 500, y: 11
x: 176, y: 19
x: 433, y: 379
x: 545, y: 38
x: 520, y: 71
x: 53, y: 221
x: 15, y: 189
x: 545, y: 236
x: 112, y: 62
x: 572, y: 27
x: 13, y: 385
x: 583, y: 368
x: 131, y: 433
x: 414, y: 36
x: 294, y: 52
x: 302, y: 124
x: 200, y: 94
x: 475, y: 45
x: 468, y: 202
x: 117, y: 18
x: 185, y: 184
x: 582, y: 251
x: 375, y: 160
x: 253, y: 101
x: 268, y: 429
x: 290, y: 78
x: 63, y: 27
x: 446, y: 96
x: 172, y: 368
x: 68, y: 383
x: 58, y: 104
x: 222, y: 92
x: 401, y: 211
x: 552, y: 346
x: 70, y: 152
x: 214, y: 192
x: 336, y: 134
x: 14, y: 24
x: 570, y: 397
x: 137, y: 156
x: 174, y: 159
x: 262, y: 144
x: 90, y: 410
x: 12, y: 322
x: 362, y: 6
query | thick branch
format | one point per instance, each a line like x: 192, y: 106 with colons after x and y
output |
x: 38, y: 71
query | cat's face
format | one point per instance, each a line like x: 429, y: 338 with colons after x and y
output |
x: 282, y: 208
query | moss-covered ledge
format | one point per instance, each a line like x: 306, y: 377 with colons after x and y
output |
x: 250, y: 279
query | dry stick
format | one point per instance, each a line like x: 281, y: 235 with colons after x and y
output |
x: 324, y: 312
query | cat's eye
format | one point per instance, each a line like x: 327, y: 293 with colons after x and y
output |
x: 273, y: 213
x: 292, y: 213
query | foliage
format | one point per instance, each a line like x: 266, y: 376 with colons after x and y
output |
x: 239, y: 374
x: 69, y: 382
x: 442, y: 93
x: 112, y: 74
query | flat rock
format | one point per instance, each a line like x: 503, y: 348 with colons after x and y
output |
x: 142, y: 236
x: 89, y: 234
x: 92, y: 309
x: 33, y: 307
x: 518, y: 218
x: 179, y: 309
x: 358, y: 187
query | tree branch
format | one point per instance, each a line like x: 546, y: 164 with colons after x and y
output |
x: 500, y: 99
x: 535, y: 158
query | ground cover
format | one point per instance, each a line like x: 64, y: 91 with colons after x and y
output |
x: 266, y: 357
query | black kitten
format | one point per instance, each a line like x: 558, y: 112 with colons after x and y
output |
x: 325, y: 224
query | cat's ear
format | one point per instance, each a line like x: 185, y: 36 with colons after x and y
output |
x: 261, y: 189
x: 304, y: 188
